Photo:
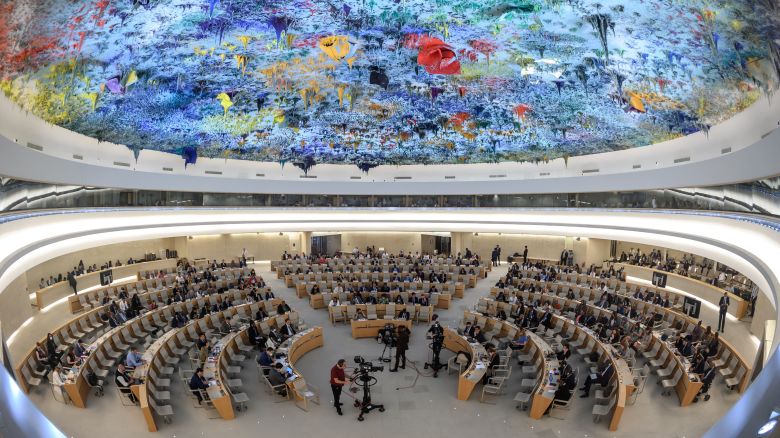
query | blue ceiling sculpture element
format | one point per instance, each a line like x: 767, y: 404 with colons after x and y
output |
x: 373, y: 82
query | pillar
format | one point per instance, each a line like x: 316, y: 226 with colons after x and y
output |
x: 305, y: 243
x: 456, y: 242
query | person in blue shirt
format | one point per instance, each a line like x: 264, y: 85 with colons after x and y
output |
x: 519, y: 342
x: 134, y: 358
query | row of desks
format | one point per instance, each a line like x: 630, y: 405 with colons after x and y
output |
x: 625, y: 380
x: 543, y: 393
x: 671, y: 316
x: 319, y: 301
x: 382, y: 311
x: 473, y: 374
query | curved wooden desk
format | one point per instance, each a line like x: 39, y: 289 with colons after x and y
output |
x: 212, y: 369
x: 673, y: 316
x: 624, y: 377
x: 543, y: 394
x: 302, y: 343
x: 369, y: 328
x: 473, y: 374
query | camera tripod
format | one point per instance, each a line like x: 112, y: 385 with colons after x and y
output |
x: 365, y: 405
x: 435, y: 364
x: 389, y: 349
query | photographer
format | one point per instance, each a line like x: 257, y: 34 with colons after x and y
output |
x: 337, y: 380
x: 401, y: 345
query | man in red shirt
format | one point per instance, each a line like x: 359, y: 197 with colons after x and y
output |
x: 337, y: 380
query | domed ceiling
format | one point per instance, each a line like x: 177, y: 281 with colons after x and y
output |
x: 371, y: 82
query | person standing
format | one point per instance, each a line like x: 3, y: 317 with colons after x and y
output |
x: 724, y: 309
x: 337, y: 380
x: 525, y: 255
x: 401, y: 345
x: 493, y: 257
x: 72, y: 281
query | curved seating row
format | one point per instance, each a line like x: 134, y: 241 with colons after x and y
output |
x: 28, y: 370
x: 318, y: 301
x: 541, y: 388
x: 736, y: 369
x: 739, y: 306
x: 56, y: 291
x: 443, y: 295
x: 231, y: 350
x: 348, y: 312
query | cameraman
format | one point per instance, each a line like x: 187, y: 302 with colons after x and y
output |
x: 337, y: 380
x: 401, y: 345
x: 436, y: 334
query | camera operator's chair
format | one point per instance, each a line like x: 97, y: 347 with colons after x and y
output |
x: 458, y: 362
x: 424, y: 315
x: 494, y: 387
x: 278, y: 392
x: 303, y: 393
x: 336, y: 314
x: 412, y: 311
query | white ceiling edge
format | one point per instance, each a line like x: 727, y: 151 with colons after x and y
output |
x: 739, y: 149
x: 749, y: 248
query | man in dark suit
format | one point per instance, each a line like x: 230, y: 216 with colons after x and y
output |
x: 401, y: 345
x: 602, y: 379
x: 525, y: 254
x: 72, y: 281
x: 198, y: 385
x: 567, y: 385
x: 282, y: 308
x: 468, y: 330
x: 723, y: 304
x: 278, y: 379
x: 287, y: 329
x: 706, y: 380
x: 478, y: 335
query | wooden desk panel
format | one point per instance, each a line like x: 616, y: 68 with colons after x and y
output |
x: 370, y: 328
x: 309, y: 340
x: 469, y: 379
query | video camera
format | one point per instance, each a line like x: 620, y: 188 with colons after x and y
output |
x: 387, y: 335
x: 436, y: 333
x: 364, y: 366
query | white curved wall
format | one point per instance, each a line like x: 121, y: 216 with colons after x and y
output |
x: 750, y: 248
x: 750, y: 136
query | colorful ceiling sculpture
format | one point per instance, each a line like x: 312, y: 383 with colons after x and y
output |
x: 372, y: 82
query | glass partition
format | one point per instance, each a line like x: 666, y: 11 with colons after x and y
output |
x: 762, y: 197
